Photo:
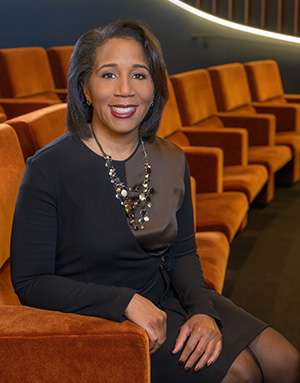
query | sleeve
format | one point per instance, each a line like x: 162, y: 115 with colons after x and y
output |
x: 186, y: 274
x: 33, y: 249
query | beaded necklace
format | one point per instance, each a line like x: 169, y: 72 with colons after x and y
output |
x: 135, y: 200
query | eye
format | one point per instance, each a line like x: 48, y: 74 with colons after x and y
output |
x: 139, y: 76
x: 108, y: 75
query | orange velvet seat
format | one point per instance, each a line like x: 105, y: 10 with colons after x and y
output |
x: 266, y: 84
x: 30, y: 88
x: 206, y: 166
x: 59, y: 58
x: 238, y: 174
x: 213, y: 251
x: 36, y: 129
x: 46, y: 346
x: 233, y: 98
x: 2, y: 115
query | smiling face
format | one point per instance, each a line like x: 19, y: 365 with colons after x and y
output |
x: 120, y: 87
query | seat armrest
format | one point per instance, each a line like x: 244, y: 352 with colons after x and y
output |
x: 233, y: 142
x: 206, y: 166
x: 292, y: 98
x: 287, y: 116
x: 15, y: 107
x: 62, y: 94
x: 44, y: 345
x: 261, y: 128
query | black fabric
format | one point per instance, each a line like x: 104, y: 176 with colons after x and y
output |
x: 72, y: 250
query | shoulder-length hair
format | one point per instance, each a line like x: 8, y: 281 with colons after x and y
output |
x: 79, y: 113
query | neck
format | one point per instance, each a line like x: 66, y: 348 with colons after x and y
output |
x: 118, y: 146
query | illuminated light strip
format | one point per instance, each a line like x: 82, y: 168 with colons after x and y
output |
x: 236, y: 26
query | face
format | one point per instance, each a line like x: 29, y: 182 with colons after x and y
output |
x: 120, y: 87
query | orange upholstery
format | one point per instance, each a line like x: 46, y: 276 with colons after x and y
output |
x: 206, y: 166
x: 213, y: 251
x: 208, y: 130
x: 48, y: 346
x: 26, y: 75
x: 233, y: 98
x: 45, y: 346
x: 25, y: 72
x: 2, y: 115
x: 38, y: 128
x: 59, y: 58
x: 265, y: 82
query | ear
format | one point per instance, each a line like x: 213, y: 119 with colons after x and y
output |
x: 86, y: 91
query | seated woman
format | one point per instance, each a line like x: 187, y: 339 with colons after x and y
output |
x: 104, y: 224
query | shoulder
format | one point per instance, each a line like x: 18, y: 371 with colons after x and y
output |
x: 167, y: 148
x: 54, y: 152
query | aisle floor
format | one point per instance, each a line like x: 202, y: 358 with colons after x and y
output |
x: 263, y: 273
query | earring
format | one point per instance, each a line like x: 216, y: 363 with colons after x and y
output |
x: 88, y: 102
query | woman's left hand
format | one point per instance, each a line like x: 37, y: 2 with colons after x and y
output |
x: 203, y: 342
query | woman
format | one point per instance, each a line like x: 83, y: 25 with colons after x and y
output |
x: 104, y: 225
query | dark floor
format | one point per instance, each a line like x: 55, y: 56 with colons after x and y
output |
x: 263, y: 273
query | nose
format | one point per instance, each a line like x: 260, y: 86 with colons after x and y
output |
x: 124, y: 88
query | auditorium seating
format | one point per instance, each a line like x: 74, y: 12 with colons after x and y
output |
x: 216, y: 210
x: 36, y: 129
x: 46, y: 346
x: 26, y: 81
x: 233, y: 97
x: 198, y: 112
x: 265, y: 83
x: 59, y: 58
x: 213, y: 251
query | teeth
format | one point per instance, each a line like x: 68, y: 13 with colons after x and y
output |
x: 122, y: 110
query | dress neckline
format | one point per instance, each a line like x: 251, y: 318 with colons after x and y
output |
x: 95, y: 155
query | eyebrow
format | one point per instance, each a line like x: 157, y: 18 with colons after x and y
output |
x: 115, y: 65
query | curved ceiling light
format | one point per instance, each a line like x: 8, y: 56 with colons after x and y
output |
x: 236, y: 26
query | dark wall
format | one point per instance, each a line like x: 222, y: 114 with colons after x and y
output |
x: 188, y: 42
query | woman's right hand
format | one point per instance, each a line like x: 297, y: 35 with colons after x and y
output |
x: 144, y: 313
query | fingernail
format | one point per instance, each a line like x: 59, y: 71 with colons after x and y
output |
x: 209, y: 363
x: 187, y: 368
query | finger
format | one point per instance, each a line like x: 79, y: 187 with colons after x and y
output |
x: 182, y: 337
x: 215, y: 354
x: 206, y: 356
x: 190, y: 346
x: 197, y: 353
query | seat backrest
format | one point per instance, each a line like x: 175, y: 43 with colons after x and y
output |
x: 194, y: 95
x: 170, y: 123
x: 264, y: 80
x: 11, y: 172
x: 36, y: 129
x: 59, y: 58
x: 230, y: 86
x: 25, y: 72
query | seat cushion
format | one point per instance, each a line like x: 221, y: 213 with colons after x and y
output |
x: 223, y: 212
x: 247, y: 179
x: 273, y: 157
x: 213, y: 250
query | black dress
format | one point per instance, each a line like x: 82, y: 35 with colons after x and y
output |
x: 73, y: 250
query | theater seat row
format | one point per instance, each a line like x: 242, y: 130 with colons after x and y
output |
x: 44, y: 83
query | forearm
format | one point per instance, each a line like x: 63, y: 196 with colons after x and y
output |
x: 53, y: 292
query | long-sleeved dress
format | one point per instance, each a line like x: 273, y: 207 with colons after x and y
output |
x: 72, y: 249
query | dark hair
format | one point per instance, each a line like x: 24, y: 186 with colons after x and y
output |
x: 82, y: 61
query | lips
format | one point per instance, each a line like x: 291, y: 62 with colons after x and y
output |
x: 123, y: 111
